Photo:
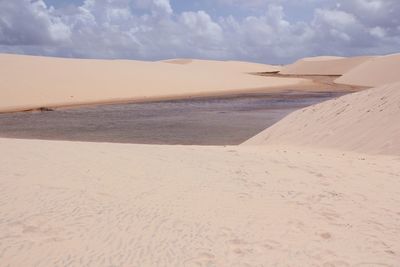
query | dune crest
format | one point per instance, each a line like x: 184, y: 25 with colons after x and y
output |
x: 374, y: 72
x: 230, y: 65
x: 323, y: 65
x: 180, y: 61
x: 366, y: 121
x: 29, y: 82
x: 321, y: 58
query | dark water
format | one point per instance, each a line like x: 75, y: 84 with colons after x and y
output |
x: 208, y: 121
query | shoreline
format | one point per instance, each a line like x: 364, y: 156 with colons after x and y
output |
x: 312, y: 84
x: 228, y: 120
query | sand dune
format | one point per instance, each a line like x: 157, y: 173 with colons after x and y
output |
x: 374, y: 72
x: 321, y: 58
x: 29, y: 82
x: 366, y: 121
x: 231, y: 66
x: 181, y: 61
x: 323, y: 65
x: 83, y: 204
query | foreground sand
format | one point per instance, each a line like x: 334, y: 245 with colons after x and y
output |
x: 89, y: 204
x: 29, y: 82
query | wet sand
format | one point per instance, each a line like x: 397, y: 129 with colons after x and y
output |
x: 203, y: 121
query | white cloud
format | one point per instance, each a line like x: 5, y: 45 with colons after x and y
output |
x: 248, y: 3
x: 378, y: 32
x: 384, y: 13
x: 150, y: 29
x: 24, y: 22
x: 199, y: 25
x: 335, y: 18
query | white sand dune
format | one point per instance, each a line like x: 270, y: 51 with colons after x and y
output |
x: 235, y: 66
x: 181, y: 61
x: 374, y: 72
x: 367, y: 121
x: 321, y: 58
x: 323, y: 65
x: 231, y: 66
x: 29, y: 82
x: 88, y: 204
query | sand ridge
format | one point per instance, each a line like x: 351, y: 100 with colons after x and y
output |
x: 323, y: 65
x: 29, y: 82
x: 366, y: 121
x: 374, y: 72
x: 178, y: 61
x: 233, y: 66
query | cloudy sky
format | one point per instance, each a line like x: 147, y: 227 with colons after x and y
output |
x: 271, y: 31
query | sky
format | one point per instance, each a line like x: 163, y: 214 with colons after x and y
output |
x: 267, y: 31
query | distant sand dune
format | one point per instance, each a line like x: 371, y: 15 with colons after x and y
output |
x: 321, y: 58
x: 28, y: 82
x: 374, y: 72
x: 323, y: 65
x: 181, y: 61
x: 367, y: 121
x: 226, y: 66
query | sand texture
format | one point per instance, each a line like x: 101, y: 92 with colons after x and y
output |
x: 28, y: 82
x: 367, y: 121
x: 323, y: 65
x: 88, y: 204
x: 374, y: 72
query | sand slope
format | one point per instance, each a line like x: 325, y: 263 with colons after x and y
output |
x: 374, y: 72
x: 323, y: 65
x: 88, y: 204
x: 367, y: 121
x: 28, y: 82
